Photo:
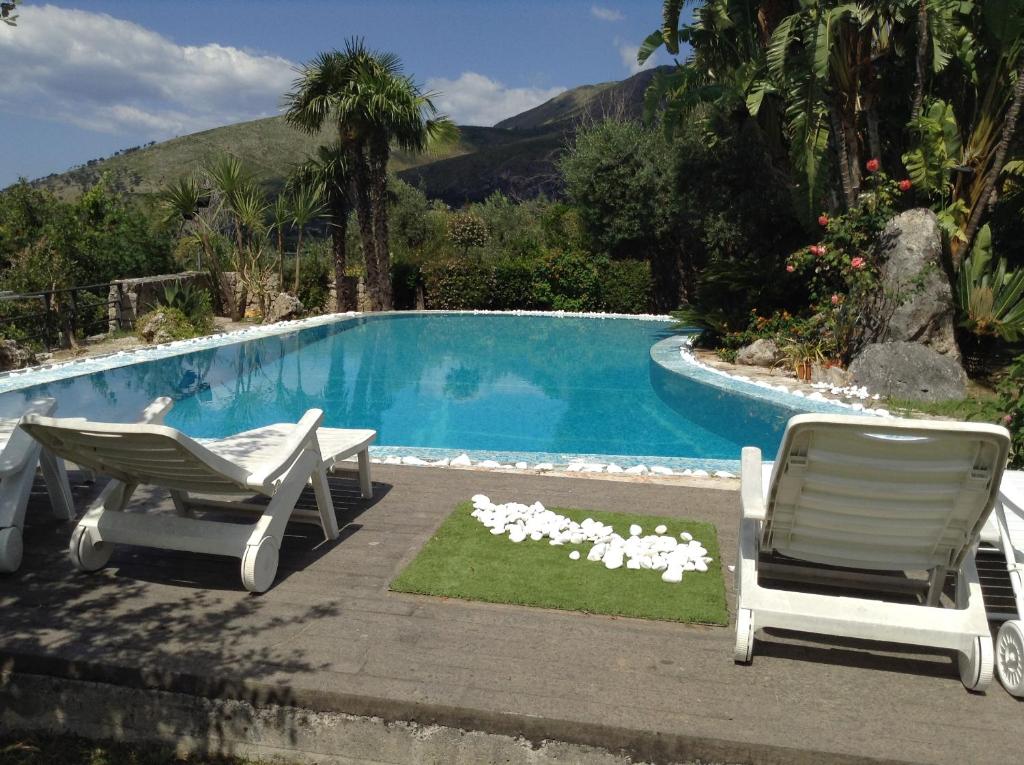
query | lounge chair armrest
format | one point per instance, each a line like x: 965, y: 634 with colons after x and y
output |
x: 154, y: 413
x: 304, y: 430
x: 751, y: 493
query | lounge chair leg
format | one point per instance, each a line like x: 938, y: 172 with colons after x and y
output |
x: 936, y: 581
x: 181, y: 506
x: 365, y: 481
x: 55, y: 475
x: 259, y: 558
x: 87, y: 550
x: 324, y: 503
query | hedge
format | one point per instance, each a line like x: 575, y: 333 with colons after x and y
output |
x: 558, y: 280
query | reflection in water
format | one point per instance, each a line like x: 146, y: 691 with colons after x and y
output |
x: 498, y: 383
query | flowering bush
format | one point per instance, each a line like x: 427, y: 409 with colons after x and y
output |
x: 845, y: 261
x: 466, y: 230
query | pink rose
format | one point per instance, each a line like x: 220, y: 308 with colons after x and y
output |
x: 857, y: 263
x: 1007, y: 419
x: 790, y: 267
x: 873, y: 165
x: 835, y: 300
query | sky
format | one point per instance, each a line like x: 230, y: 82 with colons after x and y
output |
x: 82, y: 79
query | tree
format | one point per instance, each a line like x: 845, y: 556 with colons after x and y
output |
x: 374, y: 106
x: 618, y: 174
x: 306, y: 206
x: 281, y: 216
x: 6, y: 10
x: 329, y: 173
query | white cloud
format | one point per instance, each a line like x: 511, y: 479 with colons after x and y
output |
x: 606, y: 14
x: 110, y: 75
x: 473, y: 99
x: 627, y: 53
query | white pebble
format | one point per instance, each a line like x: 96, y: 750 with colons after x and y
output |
x: 574, y: 555
x: 637, y: 470
x: 635, y: 530
x: 660, y: 470
x: 462, y: 460
x: 543, y: 466
x: 521, y: 466
x: 686, y: 536
x: 660, y: 529
x: 673, y: 575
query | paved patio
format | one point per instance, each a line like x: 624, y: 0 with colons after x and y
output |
x: 329, y: 636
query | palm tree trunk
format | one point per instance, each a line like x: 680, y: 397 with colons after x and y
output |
x: 364, y: 214
x: 339, y: 230
x: 998, y: 161
x: 280, y: 259
x: 839, y: 137
x: 922, y: 60
x: 379, y: 152
x: 298, y: 257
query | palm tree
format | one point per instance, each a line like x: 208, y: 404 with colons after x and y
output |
x: 182, y: 202
x: 281, y: 216
x: 306, y: 206
x: 330, y: 174
x: 373, y: 105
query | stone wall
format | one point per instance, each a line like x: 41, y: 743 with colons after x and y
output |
x: 131, y: 298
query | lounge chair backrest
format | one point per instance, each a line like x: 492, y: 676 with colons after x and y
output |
x: 879, y: 494
x: 138, y: 454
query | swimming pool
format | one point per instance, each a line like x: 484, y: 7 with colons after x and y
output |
x: 496, y: 386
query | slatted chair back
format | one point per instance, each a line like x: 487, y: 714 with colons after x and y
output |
x: 882, y: 494
x: 139, y: 454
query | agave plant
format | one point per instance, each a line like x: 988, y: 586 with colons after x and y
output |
x: 991, y: 295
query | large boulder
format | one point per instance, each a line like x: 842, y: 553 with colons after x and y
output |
x: 760, y: 353
x: 909, y: 371
x: 915, y: 291
x: 284, y: 307
x: 163, y: 325
x: 13, y: 356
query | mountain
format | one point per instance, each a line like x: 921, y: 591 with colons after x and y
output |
x: 517, y: 156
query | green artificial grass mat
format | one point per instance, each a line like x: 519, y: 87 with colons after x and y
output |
x: 464, y: 560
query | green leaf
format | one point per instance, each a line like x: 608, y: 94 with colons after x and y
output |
x: 670, y: 24
x: 651, y: 43
x: 778, y: 45
x: 755, y: 97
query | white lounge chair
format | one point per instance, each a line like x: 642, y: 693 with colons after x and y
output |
x: 19, y: 458
x: 1005, y: 532
x: 276, y: 461
x: 851, y: 497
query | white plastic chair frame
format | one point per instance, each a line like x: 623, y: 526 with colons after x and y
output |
x: 1009, y: 520
x: 153, y: 454
x: 880, y: 495
x: 20, y: 455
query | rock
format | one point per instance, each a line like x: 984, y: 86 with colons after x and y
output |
x: 155, y: 328
x: 836, y: 377
x: 574, y: 555
x: 13, y: 356
x: 661, y: 529
x: 909, y: 371
x: 462, y: 460
x: 284, y: 307
x: 760, y: 353
x: 635, y: 530
x: 916, y: 290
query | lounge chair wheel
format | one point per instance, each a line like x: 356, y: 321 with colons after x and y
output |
x: 976, y: 666
x: 10, y: 549
x: 744, y: 649
x: 259, y: 565
x: 1010, y: 657
x: 86, y: 554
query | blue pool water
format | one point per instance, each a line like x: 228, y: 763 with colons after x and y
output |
x: 460, y: 382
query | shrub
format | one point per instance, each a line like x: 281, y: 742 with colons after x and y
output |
x: 626, y: 286
x: 458, y: 285
x: 405, y: 277
x: 515, y: 286
x: 570, y: 279
x: 466, y: 230
x: 163, y: 325
x: 195, y: 303
x: 1011, y: 400
x: 314, y: 282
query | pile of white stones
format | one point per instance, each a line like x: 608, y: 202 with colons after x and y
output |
x: 850, y: 391
x: 656, y: 551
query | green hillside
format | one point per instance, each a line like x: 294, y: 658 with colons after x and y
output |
x: 516, y: 156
